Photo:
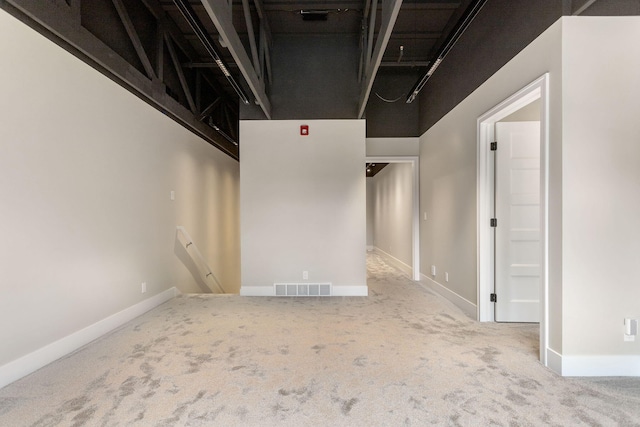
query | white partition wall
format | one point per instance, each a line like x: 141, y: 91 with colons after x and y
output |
x: 601, y: 202
x: 303, y: 205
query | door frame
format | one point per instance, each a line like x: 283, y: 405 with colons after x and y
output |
x: 538, y: 89
x: 415, y: 209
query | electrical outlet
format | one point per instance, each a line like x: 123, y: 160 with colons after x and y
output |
x: 446, y: 276
x: 305, y: 275
x: 425, y: 216
x: 630, y: 329
x: 172, y: 195
x: 433, y: 270
x: 144, y: 287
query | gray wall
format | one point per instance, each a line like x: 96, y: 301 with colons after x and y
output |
x: 613, y: 8
x: 393, y: 119
x: 314, y: 77
x: 498, y: 33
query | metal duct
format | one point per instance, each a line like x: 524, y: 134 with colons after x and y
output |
x: 195, y: 24
x: 470, y: 13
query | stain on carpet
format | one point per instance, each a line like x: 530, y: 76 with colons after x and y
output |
x: 318, y: 348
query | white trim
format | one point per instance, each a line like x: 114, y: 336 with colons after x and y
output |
x: 33, y: 361
x: 601, y: 366
x: 467, y: 307
x: 405, y: 268
x: 415, y: 238
x: 350, y: 291
x: 257, y: 291
x: 554, y: 361
x: 539, y: 89
x: 370, y: 248
x: 337, y: 291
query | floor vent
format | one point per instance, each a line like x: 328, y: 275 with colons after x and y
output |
x: 302, y: 289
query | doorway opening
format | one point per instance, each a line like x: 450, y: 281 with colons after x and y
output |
x: 535, y: 91
x: 415, y: 206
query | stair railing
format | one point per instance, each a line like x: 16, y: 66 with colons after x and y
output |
x: 206, y: 274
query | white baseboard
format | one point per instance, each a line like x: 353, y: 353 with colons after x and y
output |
x: 601, y: 366
x: 401, y: 265
x: 467, y: 307
x: 337, y: 291
x: 31, y: 362
x: 350, y: 291
x: 554, y: 361
x: 257, y: 291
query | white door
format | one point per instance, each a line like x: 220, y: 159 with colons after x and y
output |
x: 517, y: 240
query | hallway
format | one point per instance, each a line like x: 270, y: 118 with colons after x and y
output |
x: 401, y: 356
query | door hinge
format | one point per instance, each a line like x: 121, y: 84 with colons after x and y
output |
x: 494, y: 146
x: 494, y: 222
x: 494, y: 298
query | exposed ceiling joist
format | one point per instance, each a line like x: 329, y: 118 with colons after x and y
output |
x: 220, y: 14
x: 266, y: 39
x: 169, y: 27
x: 181, y: 77
x: 59, y: 21
x: 252, y: 38
x: 390, y: 10
x: 135, y: 39
x: 581, y: 5
x: 470, y: 13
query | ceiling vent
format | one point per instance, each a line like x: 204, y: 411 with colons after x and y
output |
x: 314, y: 15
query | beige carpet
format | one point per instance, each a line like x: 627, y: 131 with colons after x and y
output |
x: 400, y: 357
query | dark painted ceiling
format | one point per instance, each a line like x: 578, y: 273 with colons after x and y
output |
x: 372, y: 169
x: 165, y: 51
x: 409, y: 33
x: 168, y: 58
x: 421, y: 26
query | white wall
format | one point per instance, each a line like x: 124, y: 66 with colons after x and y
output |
x: 393, y: 213
x: 529, y: 113
x: 448, y: 157
x: 593, y: 179
x: 370, y: 207
x: 393, y: 146
x: 601, y: 185
x: 86, y: 171
x: 303, y: 204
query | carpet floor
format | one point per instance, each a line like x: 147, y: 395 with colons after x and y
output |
x: 400, y: 357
